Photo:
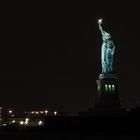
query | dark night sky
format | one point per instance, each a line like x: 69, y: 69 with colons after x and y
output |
x: 50, y: 54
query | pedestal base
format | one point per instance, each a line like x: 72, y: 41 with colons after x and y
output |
x: 107, y: 96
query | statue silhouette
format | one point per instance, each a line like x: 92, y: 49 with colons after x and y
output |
x: 107, y: 51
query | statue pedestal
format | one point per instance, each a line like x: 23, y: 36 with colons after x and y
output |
x: 107, y: 96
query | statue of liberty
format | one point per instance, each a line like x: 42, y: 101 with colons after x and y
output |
x: 107, y: 51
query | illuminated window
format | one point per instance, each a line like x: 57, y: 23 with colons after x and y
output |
x: 113, y: 87
x: 109, y: 87
x: 106, y: 87
x: 98, y: 88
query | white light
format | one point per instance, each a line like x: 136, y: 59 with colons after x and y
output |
x: 27, y: 119
x: 13, y: 121
x: 46, y: 112
x: 40, y: 123
x: 26, y: 122
x: 10, y: 111
x: 4, y: 124
x: 21, y: 122
x: 100, y: 21
x: 55, y: 113
x: 36, y: 112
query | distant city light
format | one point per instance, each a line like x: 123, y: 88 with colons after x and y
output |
x: 21, y: 122
x: 40, y: 123
x: 26, y: 122
x: 46, y: 112
x: 10, y: 111
x: 13, y: 121
x: 36, y: 112
x: 27, y: 119
x: 4, y: 124
x: 55, y: 113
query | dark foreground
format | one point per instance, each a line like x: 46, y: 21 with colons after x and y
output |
x: 82, y: 128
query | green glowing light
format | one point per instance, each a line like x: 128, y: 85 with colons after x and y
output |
x: 109, y: 87
x: 98, y: 88
x: 106, y: 87
x: 113, y: 87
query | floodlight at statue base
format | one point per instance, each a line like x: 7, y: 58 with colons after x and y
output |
x: 107, y: 92
x: 108, y: 76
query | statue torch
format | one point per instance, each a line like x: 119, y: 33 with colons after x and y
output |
x: 100, y: 21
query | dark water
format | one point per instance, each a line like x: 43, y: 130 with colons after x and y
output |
x: 41, y: 133
x: 82, y: 128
